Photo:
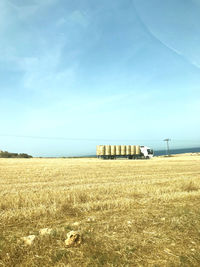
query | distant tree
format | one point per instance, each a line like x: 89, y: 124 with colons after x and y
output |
x: 13, y: 155
x: 6, y: 154
x: 23, y: 155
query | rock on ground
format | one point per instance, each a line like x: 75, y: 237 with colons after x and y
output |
x: 73, y: 239
x: 28, y: 240
x: 45, y: 231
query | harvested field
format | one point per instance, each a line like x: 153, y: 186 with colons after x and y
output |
x: 129, y: 212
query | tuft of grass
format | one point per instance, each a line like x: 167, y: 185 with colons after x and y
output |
x: 60, y: 255
x: 190, y: 186
x: 68, y: 209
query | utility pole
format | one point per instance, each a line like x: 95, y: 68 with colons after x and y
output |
x: 167, y: 141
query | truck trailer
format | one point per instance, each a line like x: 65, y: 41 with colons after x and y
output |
x: 124, y: 151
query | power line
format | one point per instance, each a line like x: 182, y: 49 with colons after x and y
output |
x: 73, y: 139
x: 93, y: 139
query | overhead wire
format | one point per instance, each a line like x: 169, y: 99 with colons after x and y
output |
x: 93, y: 139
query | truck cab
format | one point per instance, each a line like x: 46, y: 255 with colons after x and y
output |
x: 147, y: 152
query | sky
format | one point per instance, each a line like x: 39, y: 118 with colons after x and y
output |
x: 75, y: 74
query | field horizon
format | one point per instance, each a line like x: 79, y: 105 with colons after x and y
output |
x: 129, y: 212
x: 157, y: 153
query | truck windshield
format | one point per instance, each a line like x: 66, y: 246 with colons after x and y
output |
x: 150, y: 151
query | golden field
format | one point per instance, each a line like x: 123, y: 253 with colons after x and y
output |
x: 129, y: 212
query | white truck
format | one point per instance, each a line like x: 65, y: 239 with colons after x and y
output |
x: 124, y: 151
x: 147, y: 152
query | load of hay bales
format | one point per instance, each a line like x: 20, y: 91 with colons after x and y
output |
x: 113, y: 150
x: 108, y: 150
x: 128, y: 150
x: 118, y: 150
x: 123, y: 150
x: 138, y: 150
x: 102, y: 150
x: 133, y: 150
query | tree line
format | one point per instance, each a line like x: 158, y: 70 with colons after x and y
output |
x: 6, y: 154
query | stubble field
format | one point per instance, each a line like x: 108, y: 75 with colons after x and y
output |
x: 129, y: 212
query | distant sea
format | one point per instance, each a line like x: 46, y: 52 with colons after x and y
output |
x: 177, y: 151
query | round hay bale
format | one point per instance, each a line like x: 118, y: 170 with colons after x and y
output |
x: 123, y: 150
x: 102, y: 150
x: 113, y: 150
x: 138, y: 150
x: 108, y: 150
x: 128, y: 150
x: 118, y: 150
x: 133, y: 150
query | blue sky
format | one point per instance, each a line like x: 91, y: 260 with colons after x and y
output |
x: 98, y: 72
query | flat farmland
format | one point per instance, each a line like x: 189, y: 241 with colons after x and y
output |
x: 128, y: 212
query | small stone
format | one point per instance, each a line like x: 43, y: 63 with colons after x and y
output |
x: 76, y: 223
x: 73, y: 239
x: 28, y: 240
x: 91, y: 219
x: 45, y: 231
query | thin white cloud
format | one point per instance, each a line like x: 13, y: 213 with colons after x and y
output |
x: 23, y: 12
x: 195, y: 64
x: 79, y: 17
x: 164, y: 43
x: 27, y: 9
x: 41, y: 74
x: 61, y: 21
x: 4, y: 18
x: 38, y: 3
x: 190, y: 61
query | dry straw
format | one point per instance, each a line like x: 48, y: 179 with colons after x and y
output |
x: 145, y: 200
x: 108, y: 150
x: 102, y: 150
x: 118, y: 150
x: 138, y: 151
x: 123, y: 150
x: 113, y: 150
x: 128, y: 150
x: 133, y: 150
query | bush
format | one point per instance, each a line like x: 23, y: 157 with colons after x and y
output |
x: 6, y: 154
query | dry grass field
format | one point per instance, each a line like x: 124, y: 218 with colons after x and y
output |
x: 129, y: 212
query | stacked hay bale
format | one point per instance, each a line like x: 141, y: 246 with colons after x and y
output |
x: 108, y: 150
x: 128, y: 150
x: 123, y: 150
x: 133, y: 150
x: 102, y: 150
x: 118, y: 150
x: 113, y: 150
x: 138, y: 150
